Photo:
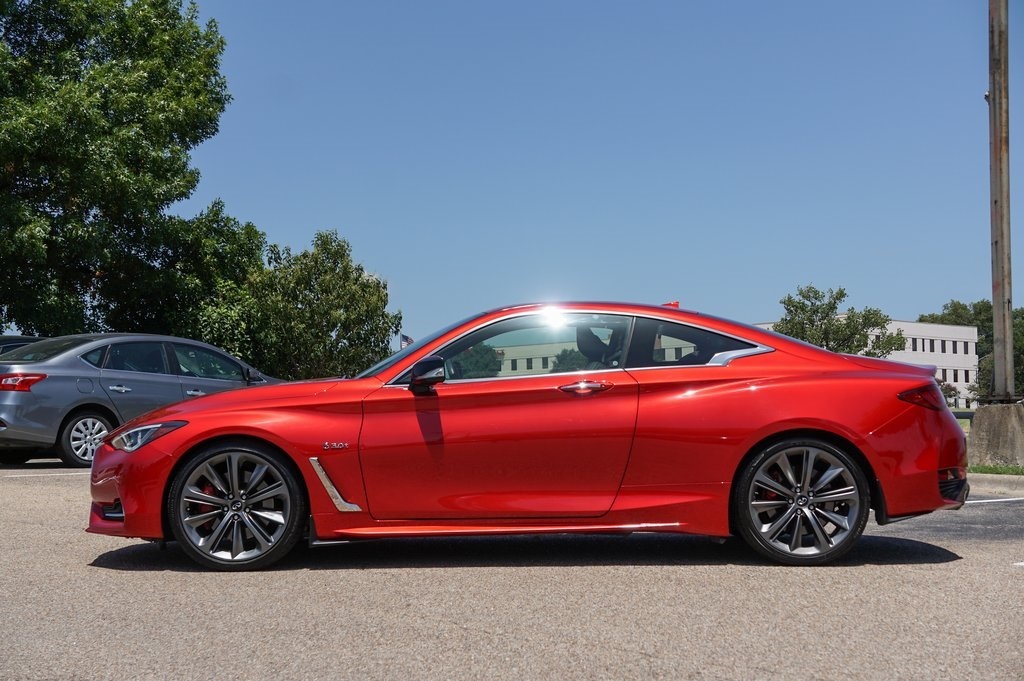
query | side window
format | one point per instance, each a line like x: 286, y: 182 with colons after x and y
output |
x: 552, y: 343
x: 145, y: 357
x: 202, y: 363
x: 95, y: 357
x: 657, y: 344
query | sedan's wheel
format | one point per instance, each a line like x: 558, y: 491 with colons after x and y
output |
x: 81, y: 437
x: 236, y: 506
x: 801, y: 502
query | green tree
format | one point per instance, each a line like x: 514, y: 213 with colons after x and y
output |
x: 310, y: 314
x: 979, y: 314
x: 100, y: 103
x: 479, y: 361
x: 569, y: 360
x: 949, y: 392
x: 159, y: 285
x: 814, y: 316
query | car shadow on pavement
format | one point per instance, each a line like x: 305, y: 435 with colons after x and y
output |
x: 558, y: 550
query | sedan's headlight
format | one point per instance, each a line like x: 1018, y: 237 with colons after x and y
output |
x: 132, y: 439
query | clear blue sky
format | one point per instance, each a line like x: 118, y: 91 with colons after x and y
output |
x: 482, y: 153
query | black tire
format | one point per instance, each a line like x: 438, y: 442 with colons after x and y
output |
x: 237, y: 506
x: 801, y: 502
x: 81, y: 436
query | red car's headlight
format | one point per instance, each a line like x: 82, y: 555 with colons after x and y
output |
x: 132, y: 439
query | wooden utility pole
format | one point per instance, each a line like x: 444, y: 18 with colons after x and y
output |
x: 999, y: 143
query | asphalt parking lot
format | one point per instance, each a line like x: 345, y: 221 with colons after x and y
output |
x: 937, y: 597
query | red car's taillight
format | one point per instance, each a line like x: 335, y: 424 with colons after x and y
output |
x: 19, y: 382
x: 927, y: 396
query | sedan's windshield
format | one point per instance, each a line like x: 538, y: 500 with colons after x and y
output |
x: 44, y: 349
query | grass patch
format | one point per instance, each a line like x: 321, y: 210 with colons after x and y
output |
x: 997, y: 470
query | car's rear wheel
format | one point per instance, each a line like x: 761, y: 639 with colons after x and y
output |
x: 81, y: 437
x: 236, y: 506
x: 801, y: 502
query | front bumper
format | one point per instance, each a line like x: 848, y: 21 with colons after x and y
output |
x: 127, y: 492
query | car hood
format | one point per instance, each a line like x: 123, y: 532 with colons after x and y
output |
x: 264, y: 396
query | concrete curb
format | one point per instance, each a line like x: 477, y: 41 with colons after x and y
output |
x: 996, y: 485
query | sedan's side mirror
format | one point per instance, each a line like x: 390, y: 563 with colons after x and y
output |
x: 252, y: 376
x: 425, y: 374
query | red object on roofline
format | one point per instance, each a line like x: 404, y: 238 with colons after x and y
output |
x: 671, y: 303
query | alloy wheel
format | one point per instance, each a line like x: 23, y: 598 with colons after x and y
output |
x: 236, y: 507
x: 804, y: 503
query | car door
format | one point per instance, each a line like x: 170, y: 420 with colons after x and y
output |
x: 525, y: 426
x: 205, y: 371
x: 699, y: 391
x: 137, y: 378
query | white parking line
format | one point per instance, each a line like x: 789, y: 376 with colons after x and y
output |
x: 994, y: 501
x: 42, y: 475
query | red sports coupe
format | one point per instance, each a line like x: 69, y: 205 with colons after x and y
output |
x: 581, y: 417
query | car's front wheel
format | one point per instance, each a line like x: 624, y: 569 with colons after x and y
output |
x: 801, y: 502
x: 236, y: 506
x: 81, y: 437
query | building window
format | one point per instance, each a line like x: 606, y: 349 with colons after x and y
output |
x: 942, y: 346
x: 965, y: 348
x: 543, y: 362
x: 931, y: 345
x: 956, y: 375
x: 529, y: 363
x: 514, y: 364
x: 967, y: 376
x: 954, y: 347
x: 913, y: 344
x: 943, y: 373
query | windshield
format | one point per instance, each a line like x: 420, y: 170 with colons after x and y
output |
x: 44, y: 349
x: 410, y: 349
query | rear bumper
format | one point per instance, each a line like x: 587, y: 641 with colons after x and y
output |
x: 955, y: 490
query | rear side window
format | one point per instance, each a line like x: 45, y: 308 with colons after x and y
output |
x: 202, y: 363
x: 45, y: 349
x: 95, y: 357
x: 146, y: 357
x: 658, y: 343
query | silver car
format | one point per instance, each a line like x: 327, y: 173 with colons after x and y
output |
x: 67, y: 393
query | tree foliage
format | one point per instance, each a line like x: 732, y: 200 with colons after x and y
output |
x: 815, y: 316
x: 979, y: 314
x: 308, y: 314
x: 479, y: 361
x: 569, y: 360
x: 100, y: 103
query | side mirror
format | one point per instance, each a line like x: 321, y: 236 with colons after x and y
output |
x: 425, y: 374
x: 252, y: 376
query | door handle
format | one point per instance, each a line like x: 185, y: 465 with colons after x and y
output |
x: 194, y: 393
x: 584, y: 387
x: 120, y: 389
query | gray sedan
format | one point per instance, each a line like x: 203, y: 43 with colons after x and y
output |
x: 69, y: 392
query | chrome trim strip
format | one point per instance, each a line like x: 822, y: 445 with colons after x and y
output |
x: 721, y: 359
x: 332, y: 491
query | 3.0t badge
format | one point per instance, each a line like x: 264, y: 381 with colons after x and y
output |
x: 335, y: 445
